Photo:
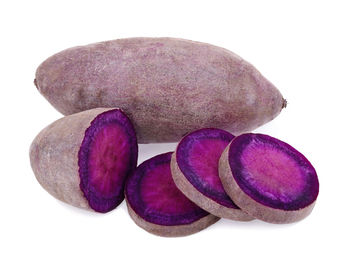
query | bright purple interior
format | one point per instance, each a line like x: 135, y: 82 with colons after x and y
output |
x: 159, y: 193
x: 153, y: 195
x: 272, y: 172
x: 108, y: 152
x: 198, y: 157
x: 107, y: 156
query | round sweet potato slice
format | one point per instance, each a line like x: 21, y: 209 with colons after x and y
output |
x: 194, y: 168
x: 156, y: 205
x: 268, y: 178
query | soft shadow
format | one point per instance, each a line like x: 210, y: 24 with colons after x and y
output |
x: 250, y: 225
x: 84, y: 212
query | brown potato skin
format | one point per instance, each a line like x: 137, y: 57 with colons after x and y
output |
x: 54, y: 157
x: 167, y: 87
x: 251, y: 206
x: 172, y: 231
x: 201, y: 200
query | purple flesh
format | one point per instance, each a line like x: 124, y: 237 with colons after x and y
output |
x: 108, y: 154
x: 152, y: 194
x: 198, y: 155
x: 272, y: 172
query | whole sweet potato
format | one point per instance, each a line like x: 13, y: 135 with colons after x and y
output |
x: 167, y: 87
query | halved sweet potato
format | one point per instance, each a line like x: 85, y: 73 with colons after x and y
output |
x: 84, y: 159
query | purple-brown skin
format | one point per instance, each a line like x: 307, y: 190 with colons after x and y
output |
x: 194, y: 167
x: 268, y: 178
x: 84, y: 159
x: 168, y: 87
x: 158, y: 206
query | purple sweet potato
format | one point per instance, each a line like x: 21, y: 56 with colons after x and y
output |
x: 84, y: 159
x: 194, y: 168
x: 168, y: 87
x: 268, y: 178
x: 156, y: 205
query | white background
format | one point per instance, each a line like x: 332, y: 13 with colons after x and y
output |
x: 301, y: 46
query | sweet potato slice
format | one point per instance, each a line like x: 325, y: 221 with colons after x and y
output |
x: 194, y: 167
x: 268, y: 178
x: 156, y: 205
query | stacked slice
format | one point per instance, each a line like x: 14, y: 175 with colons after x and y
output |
x: 239, y: 178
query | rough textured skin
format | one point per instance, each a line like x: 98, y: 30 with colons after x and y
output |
x: 249, y: 205
x: 167, y: 87
x: 54, y: 156
x: 172, y: 231
x: 202, y: 201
